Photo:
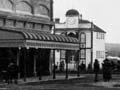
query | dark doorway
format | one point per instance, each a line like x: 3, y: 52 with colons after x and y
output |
x: 27, y: 62
x: 43, y: 62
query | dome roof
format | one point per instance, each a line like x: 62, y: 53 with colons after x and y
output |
x: 72, y: 12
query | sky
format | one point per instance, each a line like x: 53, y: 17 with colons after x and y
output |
x: 104, y: 13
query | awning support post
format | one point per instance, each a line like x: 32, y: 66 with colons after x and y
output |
x: 54, y: 73
x: 40, y: 67
x: 25, y: 58
x: 66, y: 59
x: 78, y: 66
x: 18, y: 60
x: 24, y: 52
x: 35, y: 73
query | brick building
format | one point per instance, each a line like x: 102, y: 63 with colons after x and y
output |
x: 25, y: 36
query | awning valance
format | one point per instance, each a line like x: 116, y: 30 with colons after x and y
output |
x: 39, y: 39
x: 43, y: 36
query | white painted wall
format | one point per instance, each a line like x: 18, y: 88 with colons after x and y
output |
x: 88, y: 39
x: 88, y: 57
x: 72, y: 22
x: 57, y: 57
x: 60, y: 25
x: 98, y: 45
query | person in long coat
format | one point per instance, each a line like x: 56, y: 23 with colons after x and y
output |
x: 107, y: 69
x: 13, y: 72
x: 96, y: 69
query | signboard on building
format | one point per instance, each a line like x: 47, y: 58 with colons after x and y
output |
x: 85, y: 25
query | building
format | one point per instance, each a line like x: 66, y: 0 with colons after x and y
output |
x: 91, y: 39
x: 26, y: 39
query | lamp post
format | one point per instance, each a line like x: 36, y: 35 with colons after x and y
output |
x: 66, y: 76
x: 54, y: 73
x: 35, y: 57
x: 18, y: 60
x: 92, y: 27
x: 78, y: 55
x: 25, y: 58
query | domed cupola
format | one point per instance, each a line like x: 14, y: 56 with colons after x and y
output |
x: 72, y: 12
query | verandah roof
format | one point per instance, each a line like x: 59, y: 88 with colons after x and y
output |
x: 35, y: 38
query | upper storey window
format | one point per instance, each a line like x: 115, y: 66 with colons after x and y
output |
x: 24, y: 8
x: 41, y: 10
x: 6, y: 5
x: 100, y: 35
x: 82, y: 37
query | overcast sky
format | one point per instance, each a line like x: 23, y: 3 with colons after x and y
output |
x: 104, y: 13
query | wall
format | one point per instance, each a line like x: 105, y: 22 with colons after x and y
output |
x: 26, y: 14
x: 98, y: 45
x: 39, y: 8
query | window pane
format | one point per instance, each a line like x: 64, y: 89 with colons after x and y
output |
x: 82, y: 37
x: 23, y: 7
x: 41, y: 10
x: 5, y: 5
x: 82, y: 53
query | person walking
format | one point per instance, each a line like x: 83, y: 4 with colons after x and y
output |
x: 13, y: 73
x: 82, y: 67
x: 4, y: 75
x: 107, y: 70
x: 96, y: 69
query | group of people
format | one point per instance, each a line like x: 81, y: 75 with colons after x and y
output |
x: 10, y: 74
x: 107, y: 68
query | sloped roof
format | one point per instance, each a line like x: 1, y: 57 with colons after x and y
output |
x: 98, y: 29
x: 10, y: 37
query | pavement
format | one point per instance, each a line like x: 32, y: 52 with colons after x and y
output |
x: 115, y: 83
x: 110, y: 84
x: 48, y: 78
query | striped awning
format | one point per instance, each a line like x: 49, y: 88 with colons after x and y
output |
x: 35, y: 38
x: 42, y: 36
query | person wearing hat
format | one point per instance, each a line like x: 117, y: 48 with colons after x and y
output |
x: 96, y: 69
x: 13, y: 73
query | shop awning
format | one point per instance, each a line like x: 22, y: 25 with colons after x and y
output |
x: 36, y: 39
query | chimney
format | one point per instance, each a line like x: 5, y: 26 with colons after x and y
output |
x: 57, y: 20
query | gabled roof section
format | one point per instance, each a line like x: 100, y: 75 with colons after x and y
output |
x: 37, y: 35
x: 98, y: 29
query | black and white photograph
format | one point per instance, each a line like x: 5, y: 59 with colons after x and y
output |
x: 59, y: 45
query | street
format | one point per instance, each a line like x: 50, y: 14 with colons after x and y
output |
x: 71, y: 84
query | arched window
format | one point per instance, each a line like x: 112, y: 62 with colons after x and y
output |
x: 23, y: 7
x: 72, y: 34
x: 6, y: 5
x: 82, y: 38
x: 41, y: 10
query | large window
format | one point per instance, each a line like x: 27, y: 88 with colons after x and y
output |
x: 100, y: 54
x: 82, y: 53
x: 41, y: 10
x: 82, y: 38
x: 100, y: 35
x: 6, y: 5
x: 23, y: 7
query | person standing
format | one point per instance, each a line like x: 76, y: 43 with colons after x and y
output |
x: 107, y: 70
x: 13, y: 73
x: 82, y: 67
x: 96, y: 69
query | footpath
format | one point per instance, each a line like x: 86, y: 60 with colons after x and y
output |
x: 48, y: 78
x: 110, y: 84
